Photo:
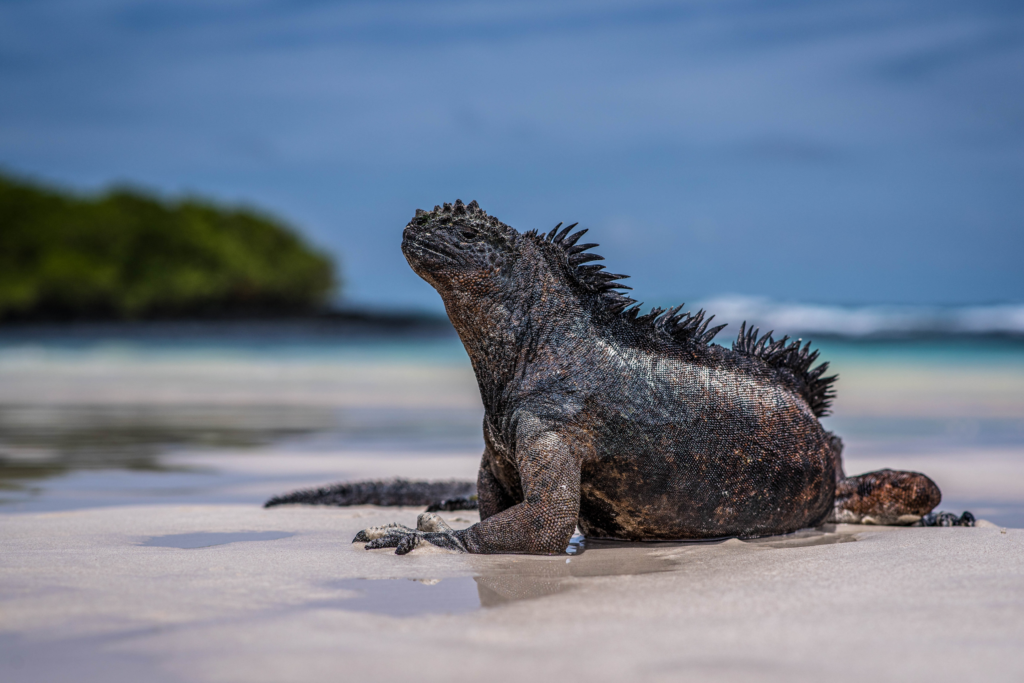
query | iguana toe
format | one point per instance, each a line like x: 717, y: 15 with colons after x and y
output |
x: 407, y: 543
x: 375, y: 532
x: 387, y: 541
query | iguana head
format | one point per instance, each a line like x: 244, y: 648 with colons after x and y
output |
x: 475, y: 262
x: 459, y: 247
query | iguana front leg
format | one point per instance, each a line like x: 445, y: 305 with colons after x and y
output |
x: 491, y: 496
x: 549, y: 471
x: 542, y: 524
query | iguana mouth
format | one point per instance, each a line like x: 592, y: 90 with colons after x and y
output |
x: 419, y: 247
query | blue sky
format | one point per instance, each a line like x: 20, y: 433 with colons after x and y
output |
x: 839, y: 152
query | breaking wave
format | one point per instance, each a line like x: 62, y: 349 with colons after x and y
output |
x: 868, y: 321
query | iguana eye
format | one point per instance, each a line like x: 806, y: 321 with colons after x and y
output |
x: 467, y: 234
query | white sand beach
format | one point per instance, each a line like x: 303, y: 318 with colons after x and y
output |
x: 286, y: 597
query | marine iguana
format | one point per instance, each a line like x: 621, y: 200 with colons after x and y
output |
x: 632, y: 426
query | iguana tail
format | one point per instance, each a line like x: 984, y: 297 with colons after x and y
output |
x: 437, y: 495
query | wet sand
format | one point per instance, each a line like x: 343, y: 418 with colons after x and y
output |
x: 236, y: 593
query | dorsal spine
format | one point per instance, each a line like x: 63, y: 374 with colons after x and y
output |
x: 817, y: 390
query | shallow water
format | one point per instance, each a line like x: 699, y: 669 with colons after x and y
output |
x: 209, y: 539
x: 503, y: 580
x: 410, y: 597
x: 499, y: 581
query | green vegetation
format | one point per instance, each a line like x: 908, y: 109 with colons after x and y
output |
x: 127, y: 255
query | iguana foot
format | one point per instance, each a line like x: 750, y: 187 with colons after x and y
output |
x: 947, y: 519
x: 375, y: 532
x: 430, y: 528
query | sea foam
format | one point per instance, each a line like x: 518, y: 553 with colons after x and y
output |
x: 868, y: 321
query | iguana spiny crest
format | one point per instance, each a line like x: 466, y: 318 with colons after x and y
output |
x: 466, y: 239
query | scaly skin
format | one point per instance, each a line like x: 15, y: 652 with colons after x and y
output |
x: 631, y: 427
